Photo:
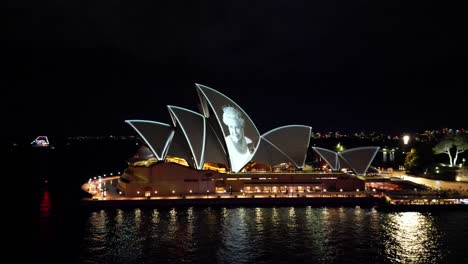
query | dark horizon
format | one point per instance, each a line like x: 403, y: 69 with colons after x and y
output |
x: 82, y: 68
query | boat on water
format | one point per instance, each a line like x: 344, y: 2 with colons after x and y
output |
x: 41, y: 142
x: 424, y: 202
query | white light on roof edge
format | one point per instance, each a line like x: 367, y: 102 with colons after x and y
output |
x: 200, y: 88
x: 376, y: 150
x: 144, y: 138
x: 328, y: 162
x: 197, y: 164
x: 287, y: 126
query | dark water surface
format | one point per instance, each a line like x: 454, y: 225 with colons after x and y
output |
x: 63, y: 232
x: 253, y: 235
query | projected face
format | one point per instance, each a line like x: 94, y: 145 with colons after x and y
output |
x: 240, y: 134
x: 236, y: 130
x: 239, y: 146
x: 232, y: 118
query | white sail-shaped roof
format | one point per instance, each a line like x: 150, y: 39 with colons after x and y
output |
x: 203, y: 107
x: 269, y: 154
x: 342, y: 163
x: 214, y: 149
x: 223, y: 106
x: 359, y: 158
x: 223, y: 133
x: 330, y: 157
x: 180, y: 148
x: 292, y: 141
x: 156, y: 135
x: 193, y: 126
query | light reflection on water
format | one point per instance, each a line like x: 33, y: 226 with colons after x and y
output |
x: 266, y: 235
x: 412, y: 238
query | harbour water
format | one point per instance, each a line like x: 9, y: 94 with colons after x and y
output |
x: 65, y: 232
x: 252, y: 235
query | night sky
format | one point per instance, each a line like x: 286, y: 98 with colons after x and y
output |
x: 83, y: 67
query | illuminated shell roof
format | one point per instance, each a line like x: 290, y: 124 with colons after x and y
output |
x: 269, y: 154
x: 193, y: 126
x: 358, y: 159
x: 206, y: 137
x: 330, y: 157
x: 179, y: 147
x: 214, y: 102
x: 293, y: 141
x: 157, y: 135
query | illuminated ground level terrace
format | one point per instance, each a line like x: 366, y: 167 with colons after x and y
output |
x: 168, y: 179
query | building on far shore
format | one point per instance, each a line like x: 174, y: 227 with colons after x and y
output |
x: 40, y: 142
x: 220, y: 150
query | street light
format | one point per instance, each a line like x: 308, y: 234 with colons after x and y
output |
x: 339, y: 147
x: 406, y: 139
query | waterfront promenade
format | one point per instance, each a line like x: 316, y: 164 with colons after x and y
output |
x: 461, y: 187
x: 105, y: 193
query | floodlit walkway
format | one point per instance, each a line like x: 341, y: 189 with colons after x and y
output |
x: 461, y: 187
x: 107, y: 189
x: 105, y: 192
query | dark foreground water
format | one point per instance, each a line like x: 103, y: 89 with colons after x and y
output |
x: 252, y: 235
x: 63, y: 232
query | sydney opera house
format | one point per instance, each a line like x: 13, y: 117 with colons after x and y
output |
x: 220, y: 150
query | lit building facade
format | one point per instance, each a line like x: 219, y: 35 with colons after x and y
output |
x: 220, y: 150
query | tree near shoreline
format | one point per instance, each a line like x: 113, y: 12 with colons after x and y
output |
x: 412, y: 160
x: 459, y: 144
